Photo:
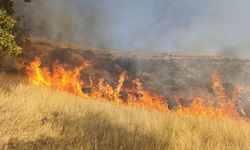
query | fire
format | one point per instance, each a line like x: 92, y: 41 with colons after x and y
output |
x: 218, y: 88
x: 141, y: 97
x: 197, y: 107
x: 59, y: 78
x: 227, y: 106
x: 69, y: 80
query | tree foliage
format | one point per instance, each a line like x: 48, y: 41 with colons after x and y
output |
x: 11, y: 29
x: 7, y: 6
x: 7, y: 38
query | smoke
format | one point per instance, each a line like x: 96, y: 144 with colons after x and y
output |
x: 162, y: 25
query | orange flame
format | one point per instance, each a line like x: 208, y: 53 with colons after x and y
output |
x: 226, y: 106
x: 146, y: 98
x: 69, y: 80
x: 59, y: 78
x: 218, y: 88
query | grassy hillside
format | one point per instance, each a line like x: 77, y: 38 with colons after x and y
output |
x: 32, y: 117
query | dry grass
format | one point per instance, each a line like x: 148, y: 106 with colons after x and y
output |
x: 38, y: 118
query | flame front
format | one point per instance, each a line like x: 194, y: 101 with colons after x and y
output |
x: 59, y: 78
x: 69, y: 80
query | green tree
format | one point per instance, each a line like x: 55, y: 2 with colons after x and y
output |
x: 9, y: 28
x: 7, y: 38
x: 7, y: 6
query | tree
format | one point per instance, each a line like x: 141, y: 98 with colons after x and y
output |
x: 7, y: 39
x: 7, y: 26
x: 7, y: 6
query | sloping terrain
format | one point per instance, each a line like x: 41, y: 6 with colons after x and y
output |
x: 164, y: 73
x: 33, y: 117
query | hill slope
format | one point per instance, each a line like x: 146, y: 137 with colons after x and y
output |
x: 38, y: 118
x: 168, y: 74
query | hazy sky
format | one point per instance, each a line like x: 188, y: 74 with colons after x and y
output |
x: 208, y: 25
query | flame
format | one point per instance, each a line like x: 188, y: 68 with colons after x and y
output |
x: 141, y: 97
x: 69, y: 80
x: 197, y: 107
x: 218, y: 88
x: 59, y: 78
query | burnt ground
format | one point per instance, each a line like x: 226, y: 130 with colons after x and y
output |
x: 165, y: 73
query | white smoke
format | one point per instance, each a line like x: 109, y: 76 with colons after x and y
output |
x: 160, y: 25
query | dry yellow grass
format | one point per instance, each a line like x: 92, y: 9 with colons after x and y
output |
x: 32, y: 117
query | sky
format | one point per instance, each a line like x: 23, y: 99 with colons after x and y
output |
x: 157, y: 25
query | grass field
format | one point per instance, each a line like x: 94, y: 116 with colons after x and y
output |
x: 33, y: 117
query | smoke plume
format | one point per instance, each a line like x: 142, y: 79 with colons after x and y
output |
x: 162, y: 25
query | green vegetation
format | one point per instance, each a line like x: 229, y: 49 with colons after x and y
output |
x: 7, y: 38
x: 7, y: 6
x: 10, y: 28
